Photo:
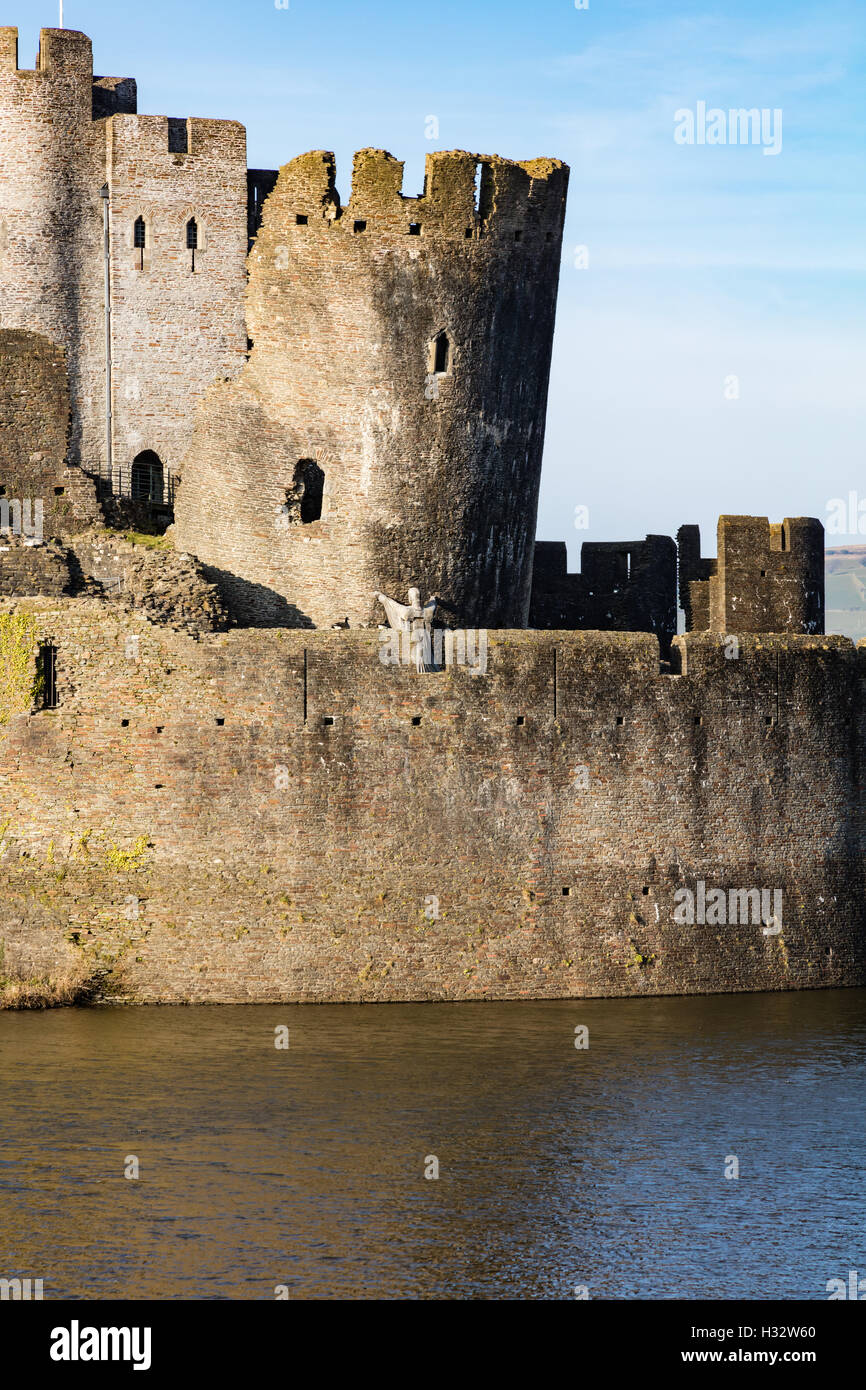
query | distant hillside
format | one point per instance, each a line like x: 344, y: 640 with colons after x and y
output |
x: 845, y: 577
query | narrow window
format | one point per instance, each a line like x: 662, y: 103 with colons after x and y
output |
x: 441, y: 354
x: 414, y: 228
x: 192, y: 238
x: 310, y: 483
x: 139, y: 241
x: 784, y: 540
x: 301, y: 219
x: 360, y: 226
x: 47, y: 671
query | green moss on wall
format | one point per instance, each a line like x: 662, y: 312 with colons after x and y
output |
x: 19, y: 679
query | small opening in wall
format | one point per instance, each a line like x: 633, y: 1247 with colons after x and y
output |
x: 301, y: 219
x: 328, y: 719
x: 192, y: 239
x: 566, y: 892
x: 220, y: 723
x: 416, y: 719
x: 479, y: 175
x: 59, y: 491
x: 414, y: 228
x: 784, y: 540
x: 518, y: 236
x: 763, y: 574
x: 47, y: 668
x: 521, y: 718
x: 2, y: 492
x: 360, y: 226
x: 620, y: 719
x: 147, y: 481
x: 768, y: 719
x: 178, y: 135
x: 160, y: 728
x: 549, y: 236
x: 158, y: 786
x: 309, y: 483
x: 468, y: 233
x: 124, y: 723
x: 645, y: 892
x: 139, y: 241
x: 698, y: 720
x: 440, y: 353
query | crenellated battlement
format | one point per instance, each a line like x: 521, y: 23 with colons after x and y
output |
x: 466, y: 196
x: 64, y: 68
x: 62, y: 52
x: 766, y: 578
x: 164, y: 137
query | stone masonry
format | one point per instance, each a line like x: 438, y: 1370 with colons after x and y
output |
x: 278, y: 815
x: 400, y: 367
x: 64, y: 136
x: 202, y: 799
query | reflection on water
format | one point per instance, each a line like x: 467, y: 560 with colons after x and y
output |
x: 558, y: 1167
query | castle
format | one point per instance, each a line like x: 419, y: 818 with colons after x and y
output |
x: 237, y: 414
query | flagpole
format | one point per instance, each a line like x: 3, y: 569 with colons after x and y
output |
x: 61, y: 14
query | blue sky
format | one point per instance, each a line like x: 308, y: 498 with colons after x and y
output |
x: 704, y: 261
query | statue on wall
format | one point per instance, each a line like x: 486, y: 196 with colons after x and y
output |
x: 414, y: 622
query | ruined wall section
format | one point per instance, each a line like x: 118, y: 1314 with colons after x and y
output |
x: 766, y: 578
x: 35, y: 422
x: 693, y: 572
x: 622, y: 586
x: 277, y: 815
x: 51, y: 217
x: 178, y: 312
x: 431, y: 467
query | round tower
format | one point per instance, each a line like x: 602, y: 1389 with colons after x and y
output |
x: 388, y: 428
x: 51, y: 216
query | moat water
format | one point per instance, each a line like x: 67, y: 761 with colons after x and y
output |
x: 558, y: 1168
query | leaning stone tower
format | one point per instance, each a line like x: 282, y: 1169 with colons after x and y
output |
x: 387, y: 430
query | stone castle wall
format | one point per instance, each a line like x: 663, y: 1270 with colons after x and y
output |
x: 428, y: 458
x: 178, y: 319
x: 51, y: 279
x: 35, y: 419
x: 270, y: 815
x: 766, y: 578
x: 65, y: 134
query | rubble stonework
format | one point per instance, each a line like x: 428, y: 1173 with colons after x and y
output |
x: 267, y: 815
x: 204, y: 799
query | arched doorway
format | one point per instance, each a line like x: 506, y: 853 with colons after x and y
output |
x: 147, y: 482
